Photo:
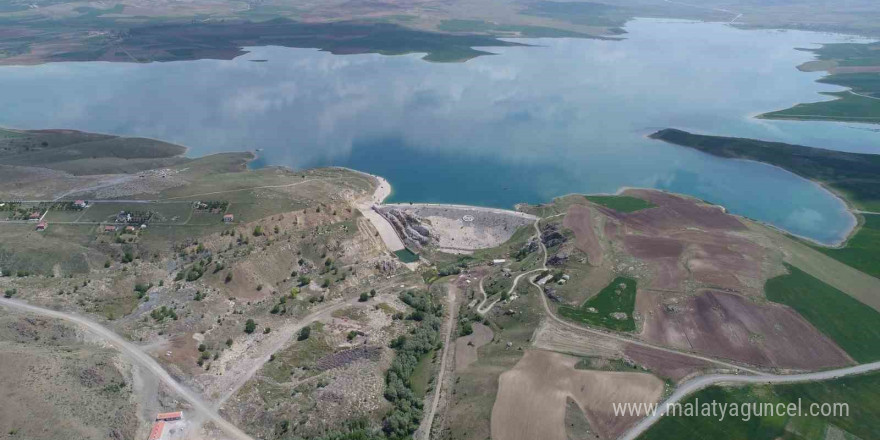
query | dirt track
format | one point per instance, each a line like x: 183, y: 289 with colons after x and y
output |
x: 139, y: 357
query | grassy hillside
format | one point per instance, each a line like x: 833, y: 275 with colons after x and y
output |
x: 851, y: 324
x: 86, y: 153
x: 612, y: 299
x: 855, y: 175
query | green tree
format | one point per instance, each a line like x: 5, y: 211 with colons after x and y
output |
x: 250, y: 326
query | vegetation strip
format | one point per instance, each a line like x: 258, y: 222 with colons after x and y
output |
x: 855, y: 175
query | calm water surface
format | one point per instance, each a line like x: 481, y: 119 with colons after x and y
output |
x: 526, y: 125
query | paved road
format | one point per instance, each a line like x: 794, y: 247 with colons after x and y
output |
x: 136, y: 355
x: 425, y: 432
x: 699, y: 383
x: 864, y: 96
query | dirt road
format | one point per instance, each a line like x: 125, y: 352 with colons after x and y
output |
x: 699, y: 383
x: 136, y: 355
x: 424, y: 432
x: 275, y: 343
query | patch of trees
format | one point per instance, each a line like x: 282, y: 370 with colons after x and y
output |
x: 406, y: 411
x: 163, y: 312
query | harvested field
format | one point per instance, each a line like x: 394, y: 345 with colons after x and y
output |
x: 733, y: 327
x: 466, y: 346
x: 580, y: 220
x: 556, y: 337
x: 683, y: 243
x: 665, y: 364
x: 531, y: 401
x: 675, y: 212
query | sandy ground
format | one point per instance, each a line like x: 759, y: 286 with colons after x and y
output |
x: 466, y: 346
x: 531, y: 399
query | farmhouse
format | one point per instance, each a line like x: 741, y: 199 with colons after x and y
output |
x: 129, y: 228
x: 109, y: 228
x: 169, y: 416
x: 35, y: 215
x: 228, y: 218
x: 80, y: 204
x: 41, y: 226
x: 156, y: 432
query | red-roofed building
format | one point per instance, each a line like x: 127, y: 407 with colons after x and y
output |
x: 41, y: 226
x: 80, y: 203
x: 109, y: 228
x: 156, y: 432
x: 228, y: 218
x: 177, y: 415
x: 129, y: 229
x: 35, y: 215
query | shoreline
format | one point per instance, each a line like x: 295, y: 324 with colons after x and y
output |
x: 384, y: 190
x: 849, y: 206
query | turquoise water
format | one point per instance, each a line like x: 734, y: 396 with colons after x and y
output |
x: 526, y: 125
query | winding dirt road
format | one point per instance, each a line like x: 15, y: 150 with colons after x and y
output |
x: 136, y: 355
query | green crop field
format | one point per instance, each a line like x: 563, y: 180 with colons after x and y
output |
x: 610, y: 300
x: 858, y: 393
x: 621, y: 203
x: 862, y: 251
x: 851, y: 324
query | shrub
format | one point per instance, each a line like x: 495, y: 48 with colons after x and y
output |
x: 250, y: 326
x: 364, y: 297
x: 304, y: 333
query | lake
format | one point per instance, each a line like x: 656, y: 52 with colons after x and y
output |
x: 525, y: 125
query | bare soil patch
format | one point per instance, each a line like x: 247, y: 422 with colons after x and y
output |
x: 466, y: 346
x: 531, y: 401
x: 665, y: 364
x: 580, y: 220
x: 733, y: 327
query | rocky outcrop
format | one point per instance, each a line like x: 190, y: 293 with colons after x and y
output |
x: 409, y: 227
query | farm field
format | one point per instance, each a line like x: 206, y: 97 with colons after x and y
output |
x: 851, y: 324
x: 858, y: 392
x: 862, y: 251
x: 619, y: 297
x: 621, y: 203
